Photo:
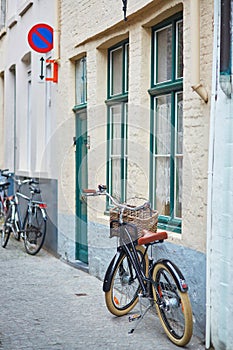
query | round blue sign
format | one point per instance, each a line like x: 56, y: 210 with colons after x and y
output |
x: 40, y: 38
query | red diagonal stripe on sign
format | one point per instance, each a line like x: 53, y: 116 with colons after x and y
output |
x: 42, y: 38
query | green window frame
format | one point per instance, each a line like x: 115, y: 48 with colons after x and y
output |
x: 117, y: 123
x: 166, y: 144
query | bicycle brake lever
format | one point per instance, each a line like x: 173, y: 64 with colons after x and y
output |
x: 34, y: 181
x: 102, y: 188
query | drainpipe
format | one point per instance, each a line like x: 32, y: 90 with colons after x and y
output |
x: 222, y: 20
x: 57, y: 30
x: 210, y: 172
x: 225, y: 47
x: 195, y: 50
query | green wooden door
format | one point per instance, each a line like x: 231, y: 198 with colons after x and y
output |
x: 81, y: 247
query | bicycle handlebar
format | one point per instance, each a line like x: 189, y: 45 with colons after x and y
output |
x: 5, y: 172
x: 102, y: 191
x: 20, y: 182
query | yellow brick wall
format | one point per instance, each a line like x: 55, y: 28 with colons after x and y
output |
x: 90, y: 27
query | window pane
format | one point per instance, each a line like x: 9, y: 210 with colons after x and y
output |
x: 118, y: 151
x: 163, y: 124
x: 162, y: 153
x: 179, y: 49
x: 126, y: 68
x: 116, y: 178
x: 116, y: 130
x: 179, y: 155
x: 116, y: 71
x: 179, y: 123
x: 163, y: 185
x: 125, y: 136
x: 81, y: 81
x: 164, y: 54
x: 178, y: 187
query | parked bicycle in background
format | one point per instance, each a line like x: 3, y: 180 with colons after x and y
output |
x: 30, y: 226
x: 4, y: 199
x: 133, y: 276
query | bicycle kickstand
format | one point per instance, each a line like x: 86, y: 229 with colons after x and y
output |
x: 138, y: 317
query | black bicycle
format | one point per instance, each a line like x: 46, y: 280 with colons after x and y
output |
x: 32, y: 225
x: 4, y: 199
x: 132, y: 276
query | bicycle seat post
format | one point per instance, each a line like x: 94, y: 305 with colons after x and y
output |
x: 121, y: 216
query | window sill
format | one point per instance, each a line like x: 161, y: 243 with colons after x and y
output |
x: 170, y: 226
x: 78, y: 108
x: 164, y: 87
x: 117, y: 98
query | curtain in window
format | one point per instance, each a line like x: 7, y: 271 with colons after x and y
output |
x: 162, y: 155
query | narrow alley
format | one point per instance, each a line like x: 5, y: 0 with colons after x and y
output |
x: 47, y: 304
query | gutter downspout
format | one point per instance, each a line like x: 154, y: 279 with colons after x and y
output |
x: 57, y: 30
x: 195, y: 50
x: 222, y: 71
x: 222, y: 54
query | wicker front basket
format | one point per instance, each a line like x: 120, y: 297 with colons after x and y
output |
x: 145, y: 218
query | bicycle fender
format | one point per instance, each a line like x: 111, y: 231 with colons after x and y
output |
x: 110, y: 271
x: 44, y: 214
x: 176, y: 274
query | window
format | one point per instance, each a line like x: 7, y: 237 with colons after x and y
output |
x: 2, y: 13
x: 118, y: 63
x: 118, y: 70
x: 81, y: 81
x: 167, y: 122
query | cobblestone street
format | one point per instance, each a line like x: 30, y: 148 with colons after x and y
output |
x: 46, y: 304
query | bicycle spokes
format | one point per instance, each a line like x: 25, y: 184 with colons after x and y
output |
x: 34, y: 231
x: 170, y: 306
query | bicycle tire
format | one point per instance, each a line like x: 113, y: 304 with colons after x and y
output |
x: 3, y: 212
x: 173, y: 306
x: 34, y: 231
x: 6, y: 230
x: 2, y: 217
x: 123, y: 294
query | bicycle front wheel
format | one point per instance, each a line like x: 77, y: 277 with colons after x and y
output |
x: 6, y: 229
x: 124, y: 289
x: 34, y: 231
x: 173, y: 306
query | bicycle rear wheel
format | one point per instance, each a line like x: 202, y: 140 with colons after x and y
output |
x: 2, y: 217
x: 124, y: 289
x: 34, y: 231
x: 6, y: 229
x: 173, y: 306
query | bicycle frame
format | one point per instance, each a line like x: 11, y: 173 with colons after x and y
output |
x: 130, y: 250
x: 17, y: 218
x: 3, y: 199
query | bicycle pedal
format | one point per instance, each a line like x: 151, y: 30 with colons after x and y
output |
x: 134, y: 317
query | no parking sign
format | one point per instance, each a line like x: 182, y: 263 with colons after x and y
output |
x: 40, y: 38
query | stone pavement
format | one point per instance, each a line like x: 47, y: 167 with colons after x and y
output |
x: 47, y: 304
